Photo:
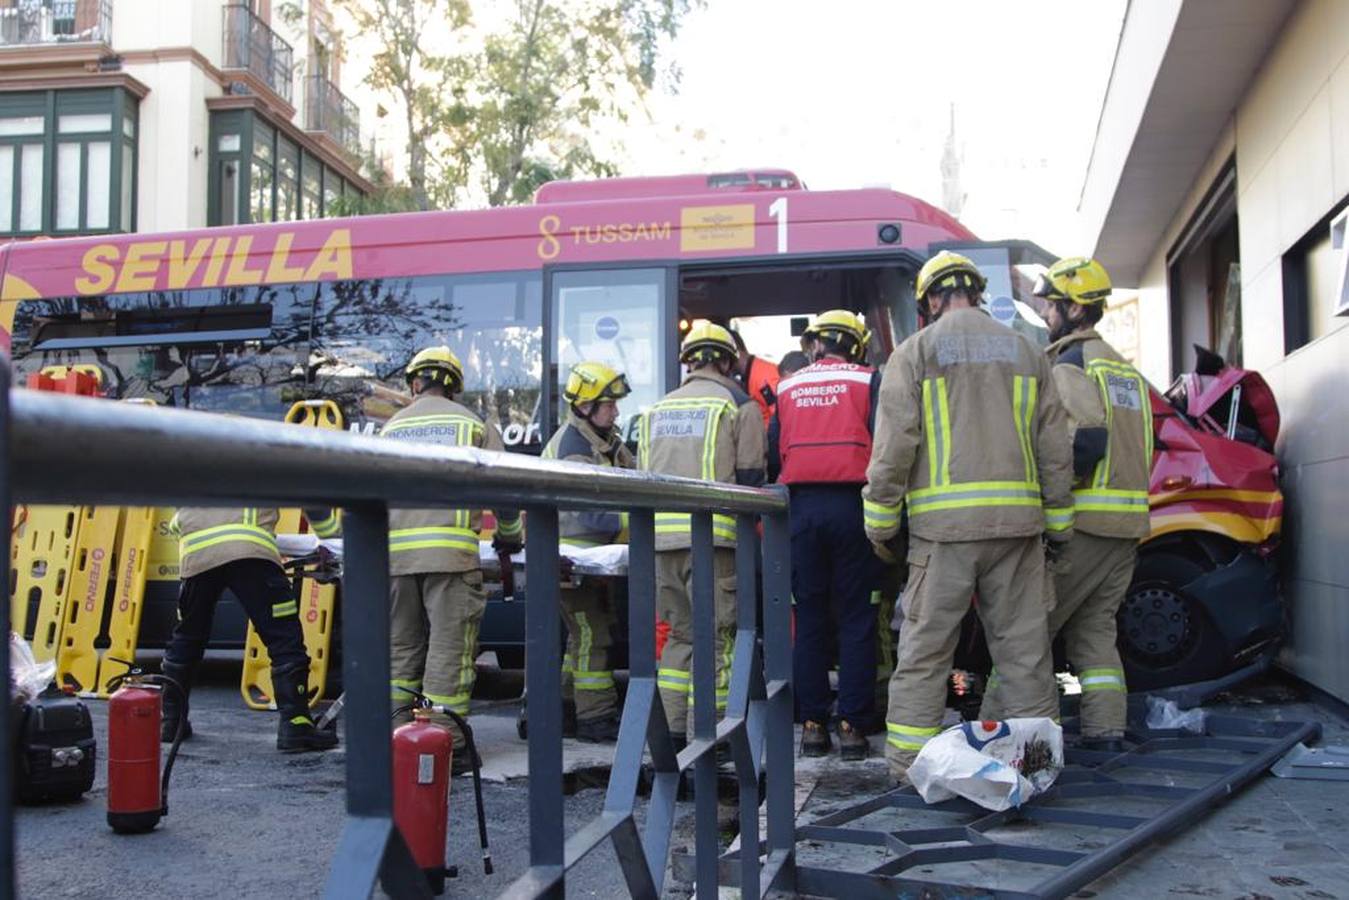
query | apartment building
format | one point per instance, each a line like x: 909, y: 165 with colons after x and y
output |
x: 156, y: 115
x: 1219, y: 186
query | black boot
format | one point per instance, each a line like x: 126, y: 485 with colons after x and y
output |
x: 175, y: 704
x: 296, y: 733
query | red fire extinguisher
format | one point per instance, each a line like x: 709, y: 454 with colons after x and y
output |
x: 138, y: 795
x: 422, y: 752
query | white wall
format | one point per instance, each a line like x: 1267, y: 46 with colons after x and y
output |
x: 1291, y: 138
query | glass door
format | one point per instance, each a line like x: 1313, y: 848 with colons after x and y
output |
x: 618, y: 317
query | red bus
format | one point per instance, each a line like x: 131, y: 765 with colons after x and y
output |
x: 250, y: 319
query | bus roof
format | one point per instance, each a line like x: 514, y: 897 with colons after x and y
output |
x: 762, y: 224
x: 737, y: 182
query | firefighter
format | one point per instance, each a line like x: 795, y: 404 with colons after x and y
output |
x: 1109, y: 409
x: 821, y: 435
x: 436, y: 594
x: 972, y: 439
x: 758, y: 376
x: 706, y: 428
x: 236, y: 549
x: 590, y: 436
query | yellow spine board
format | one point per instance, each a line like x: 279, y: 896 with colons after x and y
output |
x: 42, y: 550
x: 124, y: 621
x: 316, y: 601
x: 82, y: 614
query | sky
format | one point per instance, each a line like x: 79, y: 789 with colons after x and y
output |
x: 855, y: 93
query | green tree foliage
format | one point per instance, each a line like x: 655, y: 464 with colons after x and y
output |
x: 422, y: 77
x: 388, y: 196
x: 521, y: 106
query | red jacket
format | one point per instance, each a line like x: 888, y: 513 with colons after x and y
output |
x: 762, y: 374
x: 825, y: 415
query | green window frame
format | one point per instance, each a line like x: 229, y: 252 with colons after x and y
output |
x: 311, y: 187
x: 258, y: 174
x: 68, y: 162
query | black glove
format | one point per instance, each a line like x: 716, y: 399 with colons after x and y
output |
x: 894, y: 551
x: 510, y: 545
x: 1054, y: 550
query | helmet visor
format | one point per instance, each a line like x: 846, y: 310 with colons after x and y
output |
x: 1045, y: 288
x: 616, y: 389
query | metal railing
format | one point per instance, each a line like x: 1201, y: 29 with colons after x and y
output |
x: 165, y: 456
x: 25, y: 23
x: 249, y: 43
x: 328, y: 110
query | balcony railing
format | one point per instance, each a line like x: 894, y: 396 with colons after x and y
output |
x: 328, y: 110
x: 251, y: 45
x: 25, y: 23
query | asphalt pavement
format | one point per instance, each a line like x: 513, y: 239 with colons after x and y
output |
x: 246, y: 821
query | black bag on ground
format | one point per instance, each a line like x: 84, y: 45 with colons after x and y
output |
x: 54, y: 748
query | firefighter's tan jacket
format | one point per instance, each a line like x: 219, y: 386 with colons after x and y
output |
x: 971, y: 435
x: 1110, y: 414
x: 441, y: 540
x: 706, y: 428
x: 208, y: 538
x: 578, y: 441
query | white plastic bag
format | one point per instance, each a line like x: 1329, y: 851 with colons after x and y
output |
x: 1166, y: 715
x: 984, y: 761
x: 27, y: 677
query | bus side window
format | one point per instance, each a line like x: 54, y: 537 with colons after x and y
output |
x: 367, y: 330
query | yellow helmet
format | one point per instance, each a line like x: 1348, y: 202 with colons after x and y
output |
x: 436, y: 364
x: 705, y: 342
x: 1076, y: 278
x: 949, y: 271
x: 842, y: 323
x: 592, y: 381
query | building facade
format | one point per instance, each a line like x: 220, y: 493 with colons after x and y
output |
x: 1218, y: 185
x: 159, y: 115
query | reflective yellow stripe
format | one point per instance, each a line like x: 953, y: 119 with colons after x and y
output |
x: 289, y: 608
x: 973, y: 494
x: 1058, y: 518
x: 1111, y: 501
x: 509, y: 529
x: 879, y: 515
x: 676, y: 680
x: 1025, y: 393
x: 593, y: 681
x: 1102, y: 680
x: 414, y: 683
x: 909, y: 737
x: 196, y: 541
x: 643, y: 448
x: 467, y: 672
x: 937, y: 421
x: 584, y: 640
x: 327, y: 526
x: 682, y: 524
x: 404, y: 539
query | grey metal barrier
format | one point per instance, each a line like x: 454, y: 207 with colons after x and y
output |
x: 76, y: 450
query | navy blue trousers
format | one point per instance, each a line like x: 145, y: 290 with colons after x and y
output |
x: 268, y: 598
x: 834, y: 572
